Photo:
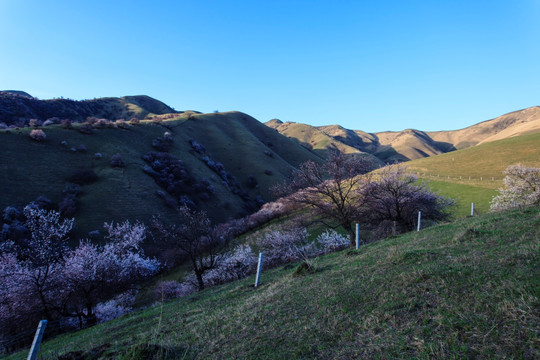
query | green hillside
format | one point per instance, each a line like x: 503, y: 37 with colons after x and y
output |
x: 243, y: 145
x: 482, y: 162
x: 468, y: 289
x: 449, y: 173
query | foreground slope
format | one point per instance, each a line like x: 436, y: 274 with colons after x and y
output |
x: 463, y: 290
x: 254, y: 154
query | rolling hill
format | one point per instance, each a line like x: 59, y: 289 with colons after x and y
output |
x: 253, y: 157
x: 410, y: 144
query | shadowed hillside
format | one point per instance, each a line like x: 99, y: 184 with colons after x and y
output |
x: 18, y: 107
x: 229, y: 161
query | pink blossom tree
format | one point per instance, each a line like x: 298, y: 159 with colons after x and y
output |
x: 94, y: 273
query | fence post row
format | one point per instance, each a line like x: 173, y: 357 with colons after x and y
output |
x: 357, y: 236
x: 32, y: 355
x: 259, y: 268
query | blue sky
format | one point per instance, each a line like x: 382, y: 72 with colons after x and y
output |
x: 367, y: 65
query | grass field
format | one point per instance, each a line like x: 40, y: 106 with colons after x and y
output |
x: 468, y: 289
x: 475, y: 174
x: 481, y: 163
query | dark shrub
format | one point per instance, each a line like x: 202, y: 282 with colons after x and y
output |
x: 268, y: 172
x: 42, y: 202
x: 83, y: 176
x: 71, y: 189
x: 197, y: 147
x: 66, y: 124
x: 117, y: 161
x: 82, y: 148
x: 85, y: 129
x: 67, y: 206
x: 164, y: 143
x: 251, y: 182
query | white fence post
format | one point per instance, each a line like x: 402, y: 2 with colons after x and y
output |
x: 357, y: 236
x: 472, y: 209
x: 32, y: 355
x: 419, y: 221
x: 259, y: 268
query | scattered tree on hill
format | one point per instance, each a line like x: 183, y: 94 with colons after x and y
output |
x: 521, y: 187
x: 38, y: 135
x: 198, y: 240
x: 331, y: 189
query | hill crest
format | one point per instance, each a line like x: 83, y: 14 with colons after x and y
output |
x: 411, y: 144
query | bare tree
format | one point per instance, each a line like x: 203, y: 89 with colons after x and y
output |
x: 201, y: 242
x: 331, y: 189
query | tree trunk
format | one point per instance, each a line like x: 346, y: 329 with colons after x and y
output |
x: 200, y: 281
x: 352, y: 235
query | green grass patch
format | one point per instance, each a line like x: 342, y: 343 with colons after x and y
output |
x: 464, y: 196
x: 484, y: 164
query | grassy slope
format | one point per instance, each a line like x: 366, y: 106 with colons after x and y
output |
x: 482, y: 163
x: 29, y: 169
x: 461, y: 290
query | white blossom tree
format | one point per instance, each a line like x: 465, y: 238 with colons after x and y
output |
x: 521, y: 187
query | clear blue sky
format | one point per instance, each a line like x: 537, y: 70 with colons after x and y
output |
x: 367, y: 65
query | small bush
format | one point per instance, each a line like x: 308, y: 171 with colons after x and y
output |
x: 86, y: 129
x: 268, y: 172
x: 83, y: 176
x: 196, y: 146
x: 66, y: 124
x: 167, y: 290
x: 81, y: 148
x: 112, y: 309
x: 117, y: 161
x: 67, y: 206
x: 34, y: 122
x: 38, y: 135
x: 285, y: 246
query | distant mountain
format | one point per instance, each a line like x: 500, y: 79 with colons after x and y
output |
x: 18, y: 107
x: 410, y: 144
